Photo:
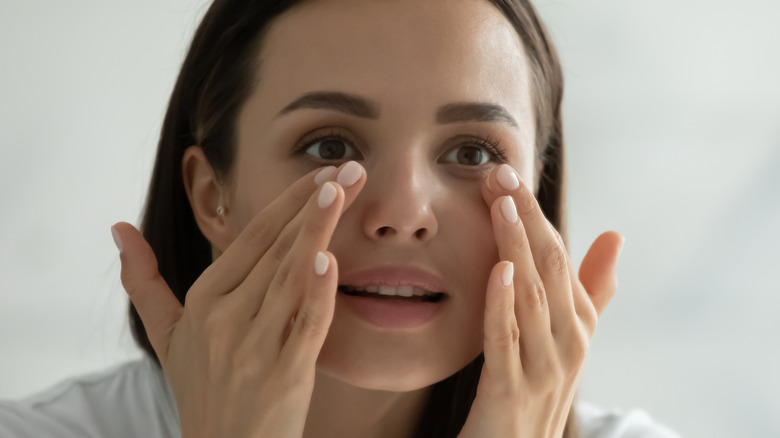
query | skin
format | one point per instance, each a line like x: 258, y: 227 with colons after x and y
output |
x: 412, y: 205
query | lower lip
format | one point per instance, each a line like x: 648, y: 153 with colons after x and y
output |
x: 392, y: 313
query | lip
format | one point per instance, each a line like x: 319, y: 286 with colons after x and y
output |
x: 394, y: 276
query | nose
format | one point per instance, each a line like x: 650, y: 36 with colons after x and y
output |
x: 398, y: 202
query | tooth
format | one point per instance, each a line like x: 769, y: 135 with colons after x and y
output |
x: 405, y: 291
x: 386, y: 290
x: 372, y: 289
x: 418, y: 292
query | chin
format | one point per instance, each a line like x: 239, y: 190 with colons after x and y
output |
x: 382, y: 378
x: 391, y: 369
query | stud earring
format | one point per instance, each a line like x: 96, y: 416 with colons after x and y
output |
x: 221, y: 210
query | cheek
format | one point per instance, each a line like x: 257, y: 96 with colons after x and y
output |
x: 256, y: 188
x: 472, y: 255
x: 474, y: 251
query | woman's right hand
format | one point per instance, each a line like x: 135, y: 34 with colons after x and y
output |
x: 240, y: 354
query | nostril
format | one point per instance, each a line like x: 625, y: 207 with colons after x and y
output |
x: 382, y: 231
x: 388, y: 231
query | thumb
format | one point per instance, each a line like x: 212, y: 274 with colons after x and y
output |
x: 597, y: 271
x: 153, y: 299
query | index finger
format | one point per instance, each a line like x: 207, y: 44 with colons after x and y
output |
x: 230, y: 269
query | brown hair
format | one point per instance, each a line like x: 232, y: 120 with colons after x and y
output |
x: 216, y: 78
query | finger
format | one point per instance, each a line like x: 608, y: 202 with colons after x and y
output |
x: 597, y: 270
x: 291, y: 282
x: 502, y: 335
x: 549, y: 254
x: 153, y: 299
x: 232, y: 267
x: 252, y: 292
x: 533, y: 319
x: 312, y: 321
x: 582, y: 304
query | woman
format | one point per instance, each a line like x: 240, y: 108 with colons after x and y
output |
x: 352, y: 230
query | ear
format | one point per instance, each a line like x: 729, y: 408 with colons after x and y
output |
x: 205, y: 194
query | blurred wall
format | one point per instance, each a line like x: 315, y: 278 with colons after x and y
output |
x: 672, y: 115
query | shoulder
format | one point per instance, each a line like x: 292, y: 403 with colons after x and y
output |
x: 130, y: 399
x: 596, y: 422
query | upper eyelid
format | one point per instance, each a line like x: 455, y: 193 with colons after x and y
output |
x: 459, y: 140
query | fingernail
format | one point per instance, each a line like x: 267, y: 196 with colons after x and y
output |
x: 321, y: 263
x: 509, y: 272
x: 324, y: 175
x: 507, y: 177
x: 622, y: 242
x: 349, y: 174
x: 508, y: 209
x: 117, y: 239
x: 327, y: 195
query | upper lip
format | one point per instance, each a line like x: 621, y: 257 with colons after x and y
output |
x: 394, y: 276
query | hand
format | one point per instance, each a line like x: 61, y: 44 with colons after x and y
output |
x: 240, y: 354
x: 539, y: 317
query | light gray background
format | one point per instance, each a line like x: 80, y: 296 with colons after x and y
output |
x: 672, y: 117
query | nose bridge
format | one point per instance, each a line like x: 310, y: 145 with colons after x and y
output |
x: 401, y: 189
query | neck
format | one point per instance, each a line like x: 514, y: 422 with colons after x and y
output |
x: 341, y: 410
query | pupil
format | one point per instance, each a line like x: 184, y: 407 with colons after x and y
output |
x: 470, y: 155
x: 331, y: 149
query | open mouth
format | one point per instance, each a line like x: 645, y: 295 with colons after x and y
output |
x: 403, y: 293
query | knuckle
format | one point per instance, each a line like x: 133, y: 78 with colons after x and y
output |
x: 526, y: 203
x: 259, y: 230
x: 555, y: 259
x: 507, y: 338
x: 535, y: 295
x: 578, y: 349
x: 311, y: 231
x: 283, y: 275
x: 520, y: 242
x: 309, y: 325
x: 134, y: 283
x: 283, y: 244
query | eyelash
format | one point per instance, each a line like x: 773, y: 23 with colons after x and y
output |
x: 489, y: 144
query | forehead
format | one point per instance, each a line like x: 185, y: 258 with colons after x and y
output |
x: 406, y: 55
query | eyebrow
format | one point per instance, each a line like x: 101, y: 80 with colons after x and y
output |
x: 362, y: 107
x: 345, y: 103
x: 474, y: 112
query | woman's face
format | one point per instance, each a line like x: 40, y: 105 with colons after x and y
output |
x: 422, y: 204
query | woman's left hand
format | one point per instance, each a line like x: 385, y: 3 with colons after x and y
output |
x: 539, y: 317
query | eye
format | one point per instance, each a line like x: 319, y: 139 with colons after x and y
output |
x: 330, y: 148
x: 476, y: 152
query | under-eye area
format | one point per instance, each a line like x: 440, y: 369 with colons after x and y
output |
x: 404, y: 293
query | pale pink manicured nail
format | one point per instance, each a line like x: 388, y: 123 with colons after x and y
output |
x: 509, y: 272
x: 507, y: 177
x: 117, y: 239
x: 349, y: 174
x: 324, y: 175
x: 321, y: 263
x: 327, y: 195
x: 508, y: 209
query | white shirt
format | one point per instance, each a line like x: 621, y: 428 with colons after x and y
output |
x: 134, y: 400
